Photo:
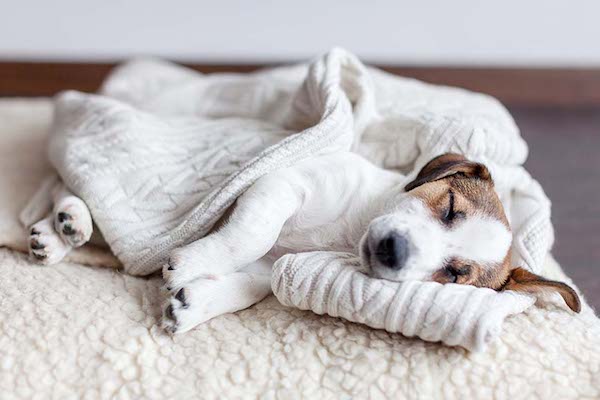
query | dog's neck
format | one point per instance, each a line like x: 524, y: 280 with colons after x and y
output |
x: 378, y: 200
x: 336, y: 211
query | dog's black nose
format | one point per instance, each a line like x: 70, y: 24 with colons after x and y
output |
x: 392, y: 251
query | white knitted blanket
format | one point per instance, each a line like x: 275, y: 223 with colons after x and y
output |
x: 164, y: 151
x: 333, y: 284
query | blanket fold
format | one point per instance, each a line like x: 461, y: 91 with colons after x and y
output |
x: 163, y: 151
x: 333, y: 284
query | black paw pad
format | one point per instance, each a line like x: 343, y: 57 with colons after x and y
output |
x: 181, y: 297
x: 169, y: 312
x: 40, y: 257
x: 172, y: 329
x: 63, y: 216
x: 35, y: 245
x: 68, y: 230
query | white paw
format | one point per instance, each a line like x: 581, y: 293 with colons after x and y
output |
x: 72, y: 220
x: 183, y: 267
x: 203, y: 299
x: 190, y: 306
x: 45, y: 245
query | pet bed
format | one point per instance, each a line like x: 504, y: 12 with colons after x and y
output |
x: 75, y: 331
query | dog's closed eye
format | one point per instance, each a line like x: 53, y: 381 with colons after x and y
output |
x: 451, y: 214
x: 454, y: 273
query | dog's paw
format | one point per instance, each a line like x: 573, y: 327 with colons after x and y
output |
x: 182, y: 314
x: 192, y: 305
x: 72, y: 220
x: 45, y: 245
x: 173, y: 318
x: 181, y: 269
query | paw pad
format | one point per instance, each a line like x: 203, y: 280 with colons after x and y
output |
x: 181, y: 297
x: 74, y: 225
x: 63, y: 216
x: 35, y: 245
x: 68, y: 230
x: 40, y: 257
x: 169, y: 313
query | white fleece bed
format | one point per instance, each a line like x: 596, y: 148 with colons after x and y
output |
x: 74, y: 331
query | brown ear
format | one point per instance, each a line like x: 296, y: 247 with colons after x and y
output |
x: 521, y: 280
x: 447, y: 165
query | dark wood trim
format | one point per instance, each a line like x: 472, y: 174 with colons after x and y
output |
x: 520, y: 86
x: 513, y: 86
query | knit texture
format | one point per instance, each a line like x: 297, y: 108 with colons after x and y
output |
x: 164, y: 151
x: 333, y: 284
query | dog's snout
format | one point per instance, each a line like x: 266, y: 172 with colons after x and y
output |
x: 392, y: 250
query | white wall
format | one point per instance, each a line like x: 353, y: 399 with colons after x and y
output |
x: 463, y: 32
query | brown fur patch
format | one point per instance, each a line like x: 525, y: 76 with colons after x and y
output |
x: 470, y: 196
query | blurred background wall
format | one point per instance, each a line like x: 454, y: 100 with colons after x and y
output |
x: 459, y: 32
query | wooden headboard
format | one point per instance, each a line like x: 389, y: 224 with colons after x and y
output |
x: 513, y: 86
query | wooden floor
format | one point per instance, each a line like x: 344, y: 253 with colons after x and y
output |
x: 564, y: 155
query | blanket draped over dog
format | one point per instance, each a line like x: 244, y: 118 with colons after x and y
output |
x: 163, y: 151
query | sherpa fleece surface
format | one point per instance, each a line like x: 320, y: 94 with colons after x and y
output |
x: 73, y: 331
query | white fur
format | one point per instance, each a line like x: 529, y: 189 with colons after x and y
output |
x: 77, y: 228
x: 45, y: 244
x: 205, y: 298
x: 67, y: 225
x: 291, y: 210
x: 324, y: 203
x: 480, y: 239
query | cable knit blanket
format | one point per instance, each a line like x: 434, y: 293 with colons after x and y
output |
x: 162, y: 153
x: 75, y: 331
x: 333, y: 284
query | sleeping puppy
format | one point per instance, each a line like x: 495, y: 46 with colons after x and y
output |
x: 447, y: 225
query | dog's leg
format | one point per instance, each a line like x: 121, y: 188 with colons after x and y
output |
x: 249, y: 233
x: 203, y: 299
x: 72, y: 218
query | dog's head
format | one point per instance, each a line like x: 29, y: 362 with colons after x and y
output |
x: 449, y: 226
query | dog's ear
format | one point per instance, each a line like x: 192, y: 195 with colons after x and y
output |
x: 521, y: 280
x: 447, y: 165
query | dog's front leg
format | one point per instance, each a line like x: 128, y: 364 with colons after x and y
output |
x: 203, y: 299
x: 249, y: 233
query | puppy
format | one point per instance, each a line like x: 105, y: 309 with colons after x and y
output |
x: 447, y: 225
